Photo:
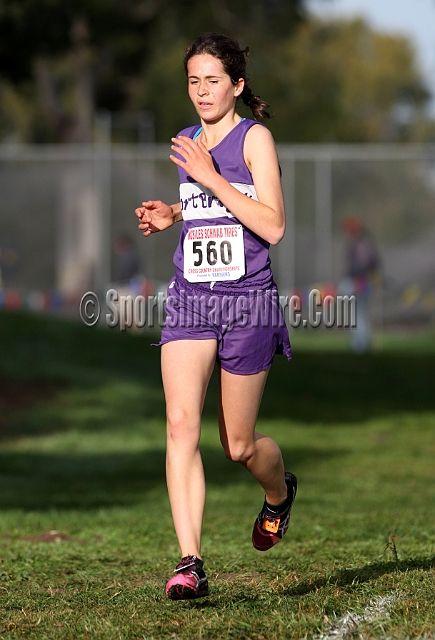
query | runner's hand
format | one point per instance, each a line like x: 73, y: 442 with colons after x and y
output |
x: 154, y: 216
x: 198, y: 162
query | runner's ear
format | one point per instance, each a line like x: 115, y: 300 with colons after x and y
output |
x: 238, y: 88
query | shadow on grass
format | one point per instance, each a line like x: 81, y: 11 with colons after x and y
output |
x: 315, y: 388
x: 342, y: 387
x: 325, y: 387
x: 345, y: 577
x: 44, y: 480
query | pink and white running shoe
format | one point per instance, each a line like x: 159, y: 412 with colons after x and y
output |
x: 271, y: 525
x: 189, y: 581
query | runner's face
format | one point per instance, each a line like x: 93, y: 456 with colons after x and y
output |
x: 210, y: 88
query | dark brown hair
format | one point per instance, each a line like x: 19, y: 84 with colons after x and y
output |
x: 233, y: 59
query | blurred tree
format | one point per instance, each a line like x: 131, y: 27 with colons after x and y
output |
x: 61, y: 59
x: 342, y: 81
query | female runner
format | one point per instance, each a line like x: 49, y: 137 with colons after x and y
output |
x: 232, y: 209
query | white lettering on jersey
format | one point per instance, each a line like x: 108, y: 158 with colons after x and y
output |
x: 198, y: 203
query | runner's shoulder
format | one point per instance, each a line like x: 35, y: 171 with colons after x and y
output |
x: 258, y: 133
x: 259, y: 144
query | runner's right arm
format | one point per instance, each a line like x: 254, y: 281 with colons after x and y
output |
x: 155, y: 215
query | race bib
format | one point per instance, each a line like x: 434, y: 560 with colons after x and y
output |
x: 214, y: 253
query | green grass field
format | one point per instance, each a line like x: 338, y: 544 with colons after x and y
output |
x: 82, y: 454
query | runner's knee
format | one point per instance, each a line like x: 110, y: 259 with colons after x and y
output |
x: 239, y: 451
x: 182, y: 426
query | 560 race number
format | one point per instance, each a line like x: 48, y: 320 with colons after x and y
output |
x: 211, y: 255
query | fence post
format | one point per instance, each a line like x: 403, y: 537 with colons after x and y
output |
x: 103, y: 179
x: 323, y: 218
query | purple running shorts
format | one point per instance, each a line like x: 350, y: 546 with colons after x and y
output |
x: 249, y: 326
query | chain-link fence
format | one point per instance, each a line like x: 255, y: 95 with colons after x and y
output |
x: 67, y: 218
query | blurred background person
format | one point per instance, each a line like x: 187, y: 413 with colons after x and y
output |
x: 9, y: 261
x: 126, y: 263
x: 362, y: 270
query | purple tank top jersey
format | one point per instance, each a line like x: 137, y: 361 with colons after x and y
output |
x: 213, y: 250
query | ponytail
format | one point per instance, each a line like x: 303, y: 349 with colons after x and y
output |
x: 255, y: 103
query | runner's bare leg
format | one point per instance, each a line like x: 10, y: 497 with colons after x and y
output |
x: 240, y: 401
x: 186, y: 369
